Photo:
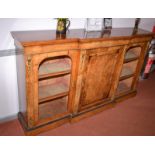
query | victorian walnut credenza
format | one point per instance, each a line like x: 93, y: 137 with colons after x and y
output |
x: 64, y: 78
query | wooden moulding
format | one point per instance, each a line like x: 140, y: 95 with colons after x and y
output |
x: 42, y: 128
x: 125, y: 96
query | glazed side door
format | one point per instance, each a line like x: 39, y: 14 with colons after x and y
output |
x: 100, y: 74
x: 131, y: 68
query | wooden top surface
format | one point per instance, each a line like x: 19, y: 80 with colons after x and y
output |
x: 40, y: 37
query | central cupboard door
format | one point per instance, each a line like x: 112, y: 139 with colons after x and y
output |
x: 98, y: 75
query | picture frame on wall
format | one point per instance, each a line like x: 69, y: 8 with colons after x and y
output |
x: 107, y: 23
x: 94, y: 24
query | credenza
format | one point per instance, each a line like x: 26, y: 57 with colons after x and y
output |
x: 65, y: 78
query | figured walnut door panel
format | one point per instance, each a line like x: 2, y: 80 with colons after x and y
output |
x: 99, y: 69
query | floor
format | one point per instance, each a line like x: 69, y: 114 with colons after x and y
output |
x: 135, y: 116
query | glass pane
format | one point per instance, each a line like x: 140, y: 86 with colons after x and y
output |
x: 54, y: 86
x: 49, y: 66
x: 124, y: 86
x: 132, y: 53
x: 53, y: 108
x: 129, y: 68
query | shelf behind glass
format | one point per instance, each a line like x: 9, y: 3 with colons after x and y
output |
x: 53, y: 108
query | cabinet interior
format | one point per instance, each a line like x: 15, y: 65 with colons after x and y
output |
x: 53, y: 107
x: 132, y: 53
x: 54, y: 82
x: 124, y: 86
x: 128, y: 70
x: 54, y: 66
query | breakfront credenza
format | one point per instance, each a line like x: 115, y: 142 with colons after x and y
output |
x: 64, y: 78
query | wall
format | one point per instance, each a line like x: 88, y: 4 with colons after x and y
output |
x: 17, y: 24
x: 13, y: 24
x: 8, y: 87
x: 8, y: 78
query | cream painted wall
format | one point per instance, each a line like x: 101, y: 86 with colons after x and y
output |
x: 8, y: 87
x: 8, y: 77
x: 19, y: 24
